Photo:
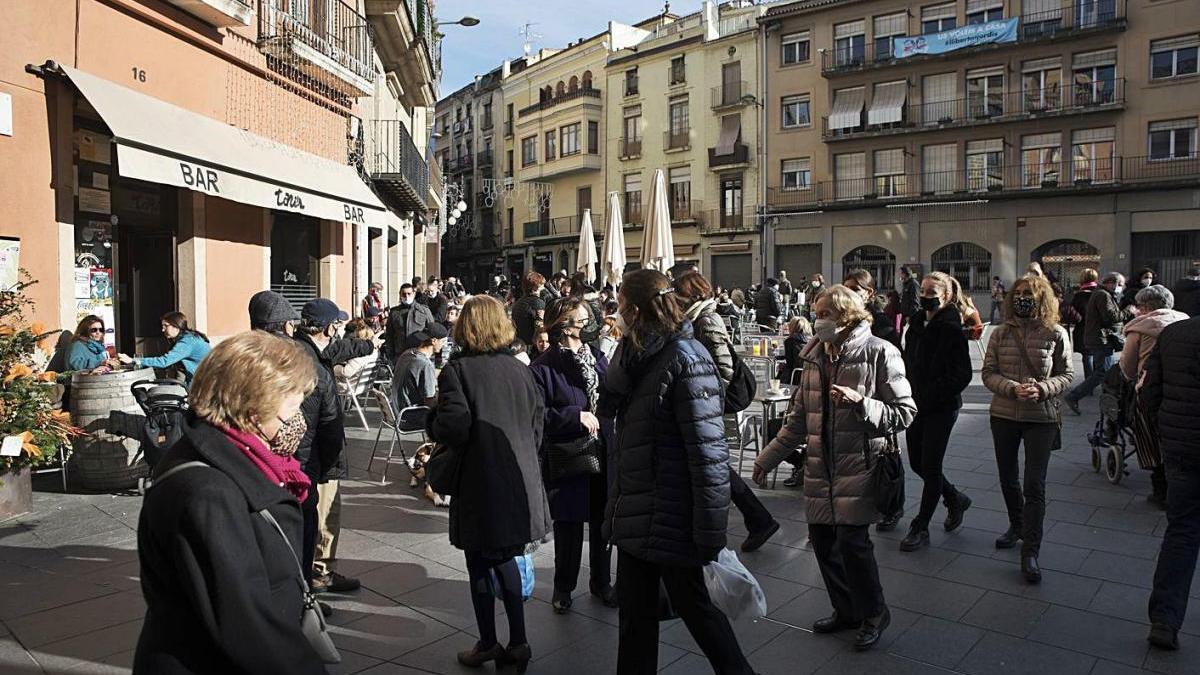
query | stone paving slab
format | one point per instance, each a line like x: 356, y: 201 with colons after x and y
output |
x: 70, y: 600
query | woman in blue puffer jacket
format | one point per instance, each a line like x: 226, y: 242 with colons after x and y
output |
x: 668, y: 512
x: 87, y: 347
x: 188, y: 347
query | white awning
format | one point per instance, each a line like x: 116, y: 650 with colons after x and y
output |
x: 847, y: 109
x: 888, y: 102
x: 731, y: 130
x: 163, y: 143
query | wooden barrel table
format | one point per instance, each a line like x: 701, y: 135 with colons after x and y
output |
x: 100, y: 460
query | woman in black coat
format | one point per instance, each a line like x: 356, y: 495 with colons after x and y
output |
x: 938, y: 363
x: 489, y: 412
x: 670, y: 507
x: 569, y: 376
x: 223, y: 588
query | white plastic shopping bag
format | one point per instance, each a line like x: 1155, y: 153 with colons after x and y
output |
x: 733, y: 589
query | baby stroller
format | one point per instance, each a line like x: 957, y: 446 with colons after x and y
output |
x: 1113, y: 440
x: 164, y: 402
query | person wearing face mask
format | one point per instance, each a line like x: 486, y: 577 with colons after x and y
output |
x: 861, y: 282
x: 1102, y: 336
x: 853, y: 398
x: 1027, y: 366
x: 324, y: 437
x: 1144, y: 278
x: 569, y: 376
x: 405, y: 319
x: 939, y: 367
x: 220, y: 582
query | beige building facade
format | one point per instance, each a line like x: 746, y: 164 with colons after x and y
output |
x: 1073, y: 143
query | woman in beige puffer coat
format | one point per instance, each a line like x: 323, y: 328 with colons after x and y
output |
x: 852, y: 398
x: 1027, y: 367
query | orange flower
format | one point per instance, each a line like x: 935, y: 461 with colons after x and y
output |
x: 28, y: 446
x: 18, y: 370
x: 37, y: 328
x: 48, y: 376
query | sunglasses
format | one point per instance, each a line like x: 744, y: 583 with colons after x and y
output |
x: 95, y: 330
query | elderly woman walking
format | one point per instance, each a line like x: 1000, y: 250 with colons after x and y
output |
x: 1155, y: 311
x: 1027, y: 367
x: 852, y: 392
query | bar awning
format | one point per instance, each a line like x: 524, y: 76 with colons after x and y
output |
x: 163, y: 143
x: 888, y: 103
x: 847, y: 109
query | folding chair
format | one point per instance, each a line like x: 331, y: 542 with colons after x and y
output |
x: 408, y: 424
x: 356, y: 389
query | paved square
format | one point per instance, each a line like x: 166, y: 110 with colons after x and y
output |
x: 70, y: 600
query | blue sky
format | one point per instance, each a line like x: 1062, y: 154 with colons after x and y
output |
x: 470, y: 51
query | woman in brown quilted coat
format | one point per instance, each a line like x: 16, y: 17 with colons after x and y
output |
x: 852, y: 400
x: 1027, y: 367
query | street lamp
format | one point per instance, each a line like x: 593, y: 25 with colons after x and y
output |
x: 466, y: 21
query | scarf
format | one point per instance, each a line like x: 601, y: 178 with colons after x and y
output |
x: 586, y: 360
x: 280, y: 470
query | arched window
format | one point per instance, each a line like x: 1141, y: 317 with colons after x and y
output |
x: 543, y: 95
x: 560, y: 89
x: 574, y: 85
x: 879, y: 261
x: 970, y: 263
x: 587, y: 79
x: 1064, y: 259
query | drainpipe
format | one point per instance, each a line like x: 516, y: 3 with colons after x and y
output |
x: 766, y: 223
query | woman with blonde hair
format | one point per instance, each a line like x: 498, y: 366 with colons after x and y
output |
x: 972, y: 322
x: 853, y: 398
x: 1027, y: 368
x: 220, y: 534
x: 939, y: 367
x: 490, y: 413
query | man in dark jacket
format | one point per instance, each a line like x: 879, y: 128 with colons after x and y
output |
x: 910, y: 288
x: 768, y: 305
x: 1074, y: 315
x: 1171, y: 395
x: 318, y: 332
x: 434, y: 299
x: 1101, y: 336
x: 404, y: 319
x: 321, y: 446
x: 1187, y: 293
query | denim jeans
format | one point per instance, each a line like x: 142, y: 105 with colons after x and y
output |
x: 1181, y: 542
x: 1102, y: 359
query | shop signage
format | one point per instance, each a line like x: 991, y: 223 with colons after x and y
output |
x: 992, y: 32
x: 238, y: 187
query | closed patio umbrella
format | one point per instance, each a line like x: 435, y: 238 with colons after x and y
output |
x: 587, y: 248
x: 658, y: 251
x: 613, y: 263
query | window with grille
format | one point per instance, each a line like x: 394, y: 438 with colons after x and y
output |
x: 797, y: 174
x: 795, y: 49
x: 970, y: 263
x: 879, y: 261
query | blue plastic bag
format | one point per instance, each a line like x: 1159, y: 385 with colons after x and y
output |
x: 525, y: 567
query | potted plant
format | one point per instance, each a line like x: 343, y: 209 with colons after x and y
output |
x: 33, y: 429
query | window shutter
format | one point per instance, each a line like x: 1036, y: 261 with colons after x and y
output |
x: 1181, y: 42
x: 1103, y: 57
x: 1051, y: 63
x: 1168, y: 125
x: 850, y: 166
x: 946, y: 11
x: 889, y: 162
x: 985, y: 72
x: 891, y: 24
x: 980, y: 5
x: 1093, y: 135
x: 849, y: 29
x: 986, y: 145
x: 1051, y: 140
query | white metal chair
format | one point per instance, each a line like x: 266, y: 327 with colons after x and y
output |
x: 357, y: 388
x: 408, y: 424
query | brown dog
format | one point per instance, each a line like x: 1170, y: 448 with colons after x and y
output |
x: 417, y: 468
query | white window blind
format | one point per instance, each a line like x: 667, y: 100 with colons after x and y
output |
x: 939, y: 166
x: 1181, y: 42
x: 891, y: 24
x: 887, y: 103
x: 1103, y: 57
x: 633, y: 182
x: 633, y: 111
x: 850, y: 166
x: 795, y: 37
x: 791, y: 165
x: 889, y: 162
x: 1168, y: 125
x: 1041, y: 10
x: 946, y: 11
x: 985, y: 145
x: 1035, y: 65
x: 937, y: 95
x: 1051, y: 140
x: 981, y: 5
x: 985, y: 72
x: 849, y: 29
x: 847, y: 108
x: 681, y: 174
x: 1093, y: 135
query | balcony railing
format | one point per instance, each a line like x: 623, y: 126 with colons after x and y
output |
x: 484, y: 158
x: 1065, y: 175
x: 721, y: 221
x: 331, y: 34
x: 677, y: 139
x: 683, y: 211
x: 729, y: 95
x: 395, y: 163
x: 740, y: 155
x: 1073, y: 17
x: 997, y: 107
x: 631, y: 148
x: 553, y: 227
x: 557, y: 100
x: 420, y: 13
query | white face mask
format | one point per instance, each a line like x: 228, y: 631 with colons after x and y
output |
x: 825, y: 330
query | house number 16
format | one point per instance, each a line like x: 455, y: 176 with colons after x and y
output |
x: 139, y: 74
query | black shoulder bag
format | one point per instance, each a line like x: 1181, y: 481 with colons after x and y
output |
x: 742, y: 387
x: 887, y: 477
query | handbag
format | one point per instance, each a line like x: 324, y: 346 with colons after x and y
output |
x: 442, y: 470
x: 312, y: 622
x: 887, y: 478
x: 575, y: 457
x: 1055, y: 444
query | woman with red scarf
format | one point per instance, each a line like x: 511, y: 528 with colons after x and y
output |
x: 223, y: 588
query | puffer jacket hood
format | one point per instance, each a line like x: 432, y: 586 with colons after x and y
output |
x: 1152, y: 323
x: 670, y: 501
x: 843, y: 438
x: 1049, y: 352
x: 1141, y: 334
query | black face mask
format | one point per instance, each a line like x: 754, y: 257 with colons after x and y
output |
x: 930, y: 304
x: 1024, y: 306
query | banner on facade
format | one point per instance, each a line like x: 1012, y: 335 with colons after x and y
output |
x: 992, y: 32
